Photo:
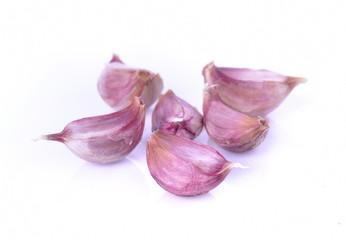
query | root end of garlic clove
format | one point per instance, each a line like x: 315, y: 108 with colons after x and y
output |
x: 264, y: 122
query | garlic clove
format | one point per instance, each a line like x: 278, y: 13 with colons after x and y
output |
x: 184, y: 167
x: 253, y: 92
x: 174, y: 115
x: 119, y: 84
x: 107, y: 138
x: 229, y: 128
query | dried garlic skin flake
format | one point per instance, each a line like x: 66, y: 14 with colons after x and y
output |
x: 174, y: 115
x: 119, y: 84
x: 184, y: 167
x: 228, y: 128
x: 106, y: 138
x: 250, y: 91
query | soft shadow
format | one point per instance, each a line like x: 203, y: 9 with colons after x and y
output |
x: 148, y: 111
x: 122, y: 174
x: 93, y: 168
x: 260, y: 159
x: 169, y: 198
x: 275, y: 136
x: 139, y: 153
x: 293, y: 105
x: 253, y: 160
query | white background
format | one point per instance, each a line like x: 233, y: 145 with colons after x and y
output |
x: 51, y: 54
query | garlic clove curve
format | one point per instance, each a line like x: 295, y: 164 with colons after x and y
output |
x: 119, y: 84
x: 228, y: 128
x: 174, y: 115
x: 106, y: 138
x: 251, y: 91
x: 184, y: 167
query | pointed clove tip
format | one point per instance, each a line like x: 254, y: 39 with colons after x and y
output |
x: 207, y: 68
x: 59, y: 137
x: 294, y: 81
x: 115, y: 58
x: 238, y: 165
x: 35, y: 139
x: 41, y: 137
x: 301, y: 80
x: 232, y: 165
x: 304, y: 80
x: 169, y: 92
x: 211, y: 63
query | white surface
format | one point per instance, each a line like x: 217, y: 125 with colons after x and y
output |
x: 51, y: 54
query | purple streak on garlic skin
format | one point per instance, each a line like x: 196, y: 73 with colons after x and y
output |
x: 174, y: 115
x: 253, y: 92
x: 107, y: 138
x: 119, y: 84
x: 184, y: 167
x: 229, y: 128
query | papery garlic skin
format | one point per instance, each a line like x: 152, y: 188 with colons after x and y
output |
x: 174, y: 115
x: 119, y: 84
x: 228, y: 128
x: 184, y: 167
x: 251, y: 91
x: 107, y: 138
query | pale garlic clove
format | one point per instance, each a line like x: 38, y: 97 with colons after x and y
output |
x: 251, y: 91
x: 174, y: 115
x: 184, y: 167
x: 119, y: 84
x: 107, y: 138
x: 228, y: 128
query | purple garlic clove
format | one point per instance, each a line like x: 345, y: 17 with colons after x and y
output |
x: 174, y: 115
x: 184, y: 167
x: 107, y: 138
x: 250, y: 91
x: 119, y: 84
x: 229, y: 128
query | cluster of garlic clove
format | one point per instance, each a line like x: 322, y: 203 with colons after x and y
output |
x: 235, y: 100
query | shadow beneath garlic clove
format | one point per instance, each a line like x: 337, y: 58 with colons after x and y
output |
x: 149, y: 111
x: 139, y: 152
x: 261, y: 161
x: 253, y: 161
x: 108, y: 181
x: 169, y: 197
